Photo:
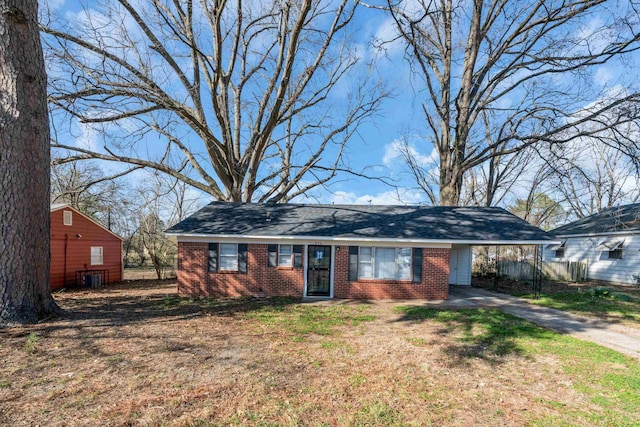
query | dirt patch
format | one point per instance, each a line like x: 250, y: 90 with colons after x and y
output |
x: 136, y: 354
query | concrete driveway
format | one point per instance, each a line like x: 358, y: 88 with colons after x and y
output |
x: 624, y: 339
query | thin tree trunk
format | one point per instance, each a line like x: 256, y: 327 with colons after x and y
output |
x: 25, y: 295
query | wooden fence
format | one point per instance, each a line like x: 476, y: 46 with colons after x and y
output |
x: 567, y: 271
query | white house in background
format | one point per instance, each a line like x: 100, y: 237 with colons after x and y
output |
x: 609, y: 242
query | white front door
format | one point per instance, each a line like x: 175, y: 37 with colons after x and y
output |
x: 453, y: 267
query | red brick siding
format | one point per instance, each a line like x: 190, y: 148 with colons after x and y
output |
x: 194, y: 279
x: 434, y: 285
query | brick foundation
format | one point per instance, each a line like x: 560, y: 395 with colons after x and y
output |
x: 195, y: 280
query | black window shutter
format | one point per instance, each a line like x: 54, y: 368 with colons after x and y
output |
x: 213, y: 257
x: 417, y: 265
x: 242, y: 258
x: 297, y: 255
x: 273, y: 255
x: 353, y: 263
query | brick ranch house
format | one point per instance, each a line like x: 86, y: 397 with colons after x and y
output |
x: 338, y: 251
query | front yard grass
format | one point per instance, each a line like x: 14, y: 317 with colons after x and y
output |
x: 145, y: 357
x: 615, y: 303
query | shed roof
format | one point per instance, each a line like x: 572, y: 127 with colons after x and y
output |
x: 344, y: 222
x: 617, y: 220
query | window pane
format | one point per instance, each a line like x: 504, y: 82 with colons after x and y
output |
x: 365, y: 266
x: 284, y: 255
x: 385, y: 263
x: 228, y: 249
x: 365, y: 270
x: 228, y: 256
x: 96, y: 255
x: 228, y: 262
x: 404, y: 264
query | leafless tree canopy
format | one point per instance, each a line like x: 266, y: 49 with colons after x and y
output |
x: 244, y: 100
x: 499, y: 76
x: 592, y: 176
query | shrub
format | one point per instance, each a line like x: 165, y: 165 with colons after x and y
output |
x: 622, y: 297
x: 599, y: 292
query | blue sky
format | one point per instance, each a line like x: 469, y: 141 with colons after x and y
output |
x: 374, y: 148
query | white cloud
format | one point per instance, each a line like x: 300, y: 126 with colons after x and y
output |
x: 396, y: 150
x: 603, y: 76
x: 387, y: 34
x: 89, y: 138
x: 403, y: 196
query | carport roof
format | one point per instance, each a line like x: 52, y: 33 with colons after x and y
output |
x: 469, y: 225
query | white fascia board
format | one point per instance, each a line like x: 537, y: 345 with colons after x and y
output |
x: 612, y: 233
x: 332, y: 240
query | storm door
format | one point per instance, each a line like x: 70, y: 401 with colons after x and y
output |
x: 319, y: 270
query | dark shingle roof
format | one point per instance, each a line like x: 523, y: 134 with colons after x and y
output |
x: 617, y: 219
x: 353, y: 222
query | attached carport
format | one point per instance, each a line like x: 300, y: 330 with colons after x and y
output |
x: 461, y: 258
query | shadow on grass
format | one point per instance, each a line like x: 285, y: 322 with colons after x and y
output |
x: 486, y: 334
x: 119, y: 310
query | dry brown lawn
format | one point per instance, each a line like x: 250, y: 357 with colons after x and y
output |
x: 138, y: 355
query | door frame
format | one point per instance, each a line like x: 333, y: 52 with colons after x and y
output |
x: 331, y: 268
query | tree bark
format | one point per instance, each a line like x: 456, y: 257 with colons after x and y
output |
x: 25, y: 295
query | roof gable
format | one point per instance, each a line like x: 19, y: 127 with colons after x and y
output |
x: 59, y: 206
x: 353, y: 222
x: 613, y: 220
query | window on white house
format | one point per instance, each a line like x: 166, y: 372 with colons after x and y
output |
x: 228, y: 257
x: 616, y: 253
x: 67, y: 217
x: 97, y: 256
x: 557, y: 249
x: 384, y: 263
x: 285, y: 255
x: 612, y: 247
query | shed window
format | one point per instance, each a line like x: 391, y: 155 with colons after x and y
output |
x: 67, y: 217
x: 384, y: 263
x: 97, y: 255
x: 228, y: 257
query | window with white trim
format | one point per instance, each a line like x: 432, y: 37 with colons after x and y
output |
x: 612, y: 247
x: 67, y: 217
x: 97, y: 255
x: 384, y: 263
x: 285, y: 255
x: 228, y: 257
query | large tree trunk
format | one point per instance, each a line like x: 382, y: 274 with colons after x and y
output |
x: 25, y: 295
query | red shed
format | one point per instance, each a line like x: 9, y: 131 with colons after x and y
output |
x: 83, y: 252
